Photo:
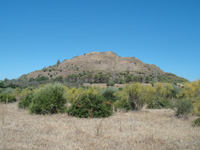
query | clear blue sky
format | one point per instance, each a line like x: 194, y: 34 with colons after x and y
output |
x: 36, y: 33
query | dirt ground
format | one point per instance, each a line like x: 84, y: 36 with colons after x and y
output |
x: 143, y: 130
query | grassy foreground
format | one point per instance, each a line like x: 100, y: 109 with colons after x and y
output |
x: 146, y: 129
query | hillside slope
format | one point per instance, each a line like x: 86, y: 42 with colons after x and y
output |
x: 102, y: 67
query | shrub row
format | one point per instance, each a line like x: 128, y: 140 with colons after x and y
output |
x: 96, y: 102
x: 6, y: 98
x: 51, y: 99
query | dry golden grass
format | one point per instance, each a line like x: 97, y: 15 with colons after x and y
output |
x: 143, y: 130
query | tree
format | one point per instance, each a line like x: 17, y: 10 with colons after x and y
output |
x: 191, y: 91
x: 134, y: 96
x: 58, y: 63
x: 96, y: 78
x: 128, y: 78
x: 89, y: 77
x: 31, y: 79
x: 90, y: 104
x: 140, y: 79
x: 59, y: 78
x: 147, y: 79
x: 42, y: 78
x: 6, y: 80
x: 49, y: 99
x: 2, y: 85
x: 135, y: 79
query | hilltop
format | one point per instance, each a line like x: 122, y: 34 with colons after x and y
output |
x: 98, y: 61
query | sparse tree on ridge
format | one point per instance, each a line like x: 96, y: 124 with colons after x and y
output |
x: 58, y: 63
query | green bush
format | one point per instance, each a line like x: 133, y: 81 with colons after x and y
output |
x: 109, y: 94
x: 91, y: 105
x: 197, y: 122
x: 7, y: 91
x: 43, y: 78
x: 48, y: 99
x: 159, y: 103
x: 6, y: 98
x: 25, y: 103
x: 110, y: 83
x: 2, y: 85
x: 134, y: 93
x: 122, y: 105
x: 183, y: 107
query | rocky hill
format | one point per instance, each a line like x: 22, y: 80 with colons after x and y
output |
x: 95, y: 62
x: 102, y: 67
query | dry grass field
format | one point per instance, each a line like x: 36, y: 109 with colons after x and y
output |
x: 143, y: 130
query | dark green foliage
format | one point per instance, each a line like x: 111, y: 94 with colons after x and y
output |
x: 110, y: 83
x: 72, y: 78
x: 101, y: 78
x: 31, y: 79
x: 25, y: 103
x: 159, y: 103
x: 2, y: 85
x: 6, y: 98
x: 197, y: 122
x: 171, y: 78
x: 11, y: 85
x: 48, y: 99
x: 44, y: 69
x: 59, y: 78
x: 109, y: 94
x: 183, y: 107
x: 124, y: 105
x: 42, y: 78
x: 147, y: 79
x: 128, y: 78
x: 58, y: 63
x: 8, y: 85
x: 119, y: 81
x: 135, y: 79
x: 140, y: 79
x: 96, y: 78
x: 90, y: 105
x: 6, y: 80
